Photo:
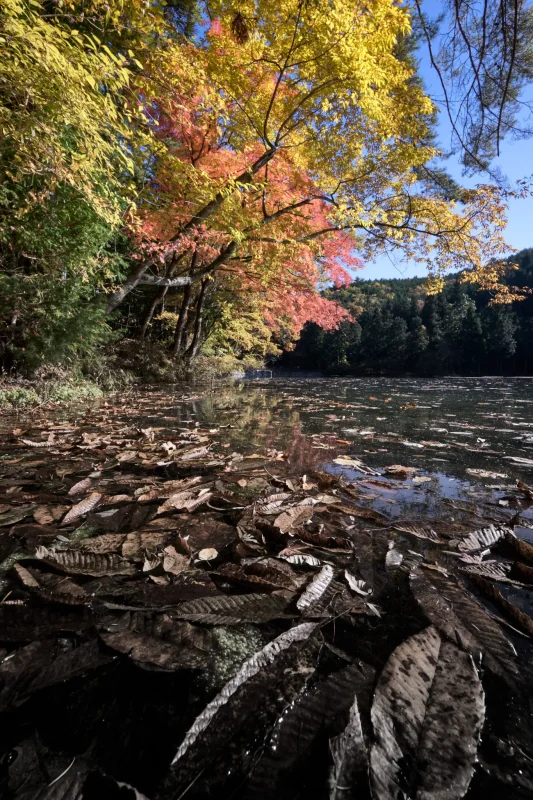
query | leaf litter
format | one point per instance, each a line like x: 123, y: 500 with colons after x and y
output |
x: 155, y: 556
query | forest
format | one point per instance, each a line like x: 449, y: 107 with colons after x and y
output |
x: 181, y: 182
x: 400, y: 329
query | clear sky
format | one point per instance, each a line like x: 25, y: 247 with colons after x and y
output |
x: 516, y: 161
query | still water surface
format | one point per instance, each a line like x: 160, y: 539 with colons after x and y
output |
x: 473, y: 437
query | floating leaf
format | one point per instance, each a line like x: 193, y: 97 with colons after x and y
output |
x: 427, y: 716
x: 486, y: 537
x: 259, y: 661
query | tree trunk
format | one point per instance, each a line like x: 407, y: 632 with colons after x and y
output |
x: 132, y: 280
x: 158, y: 299
x: 182, y: 322
x: 192, y: 350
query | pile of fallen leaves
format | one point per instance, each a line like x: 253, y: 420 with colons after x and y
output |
x: 197, y: 622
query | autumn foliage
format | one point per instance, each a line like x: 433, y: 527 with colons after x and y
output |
x: 212, y: 184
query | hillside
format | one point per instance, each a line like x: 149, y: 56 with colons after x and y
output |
x: 398, y: 328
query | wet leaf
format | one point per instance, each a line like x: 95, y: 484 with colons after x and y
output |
x: 522, y: 550
x: 522, y: 620
x: 302, y: 559
x: 258, y: 662
x: 427, y: 716
x: 484, y: 538
x: 357, y: 586
x: 349, y: 755
x: 225, y: 610
x: 463, y: 620
x: 316, y: 588
x: 15, y: 515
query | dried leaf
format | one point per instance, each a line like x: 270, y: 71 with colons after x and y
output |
x: 81, y: 486
x: 427, y: 716
x: 291, y: 517
x: 47, y: 515
x: 173, y: 561
x: 82, y: 508
x: 81, y: 563
x: 207, y: 554
x: 316, y: 588
x: 223, y: 610
x: 106, y: 543
x: 137, y: 545
x: 258, y: 662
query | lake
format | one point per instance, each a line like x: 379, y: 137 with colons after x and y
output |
x: 469, y: 439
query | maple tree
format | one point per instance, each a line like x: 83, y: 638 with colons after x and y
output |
x: 240, y: 171
x: 294, y: 141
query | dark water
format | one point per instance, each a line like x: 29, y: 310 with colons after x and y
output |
x: 462, y: 433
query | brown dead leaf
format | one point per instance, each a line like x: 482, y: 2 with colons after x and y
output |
x: 173, y: 561
x: 293, y: 516
x: 83, y: 507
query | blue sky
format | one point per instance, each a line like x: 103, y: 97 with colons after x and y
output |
x: 515, y: 161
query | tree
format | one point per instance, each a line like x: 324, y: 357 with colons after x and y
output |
x: 289, y: 144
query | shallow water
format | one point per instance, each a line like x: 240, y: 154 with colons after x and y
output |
x: 448, y: 428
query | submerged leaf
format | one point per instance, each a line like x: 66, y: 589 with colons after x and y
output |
x: 427, y: 716
x: 349, y: 756
x: 251, y: 667
x: 463, y: 620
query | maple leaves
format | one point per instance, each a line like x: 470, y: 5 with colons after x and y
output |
x: 263, y: 159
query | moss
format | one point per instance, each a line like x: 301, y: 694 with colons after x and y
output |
x: 231, y: 647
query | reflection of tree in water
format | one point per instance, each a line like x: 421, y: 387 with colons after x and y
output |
x: 263, y: 422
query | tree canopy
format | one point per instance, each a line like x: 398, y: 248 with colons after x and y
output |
x: 193, y: 172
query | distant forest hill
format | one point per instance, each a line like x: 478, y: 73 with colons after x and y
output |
x: 399, y: 329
